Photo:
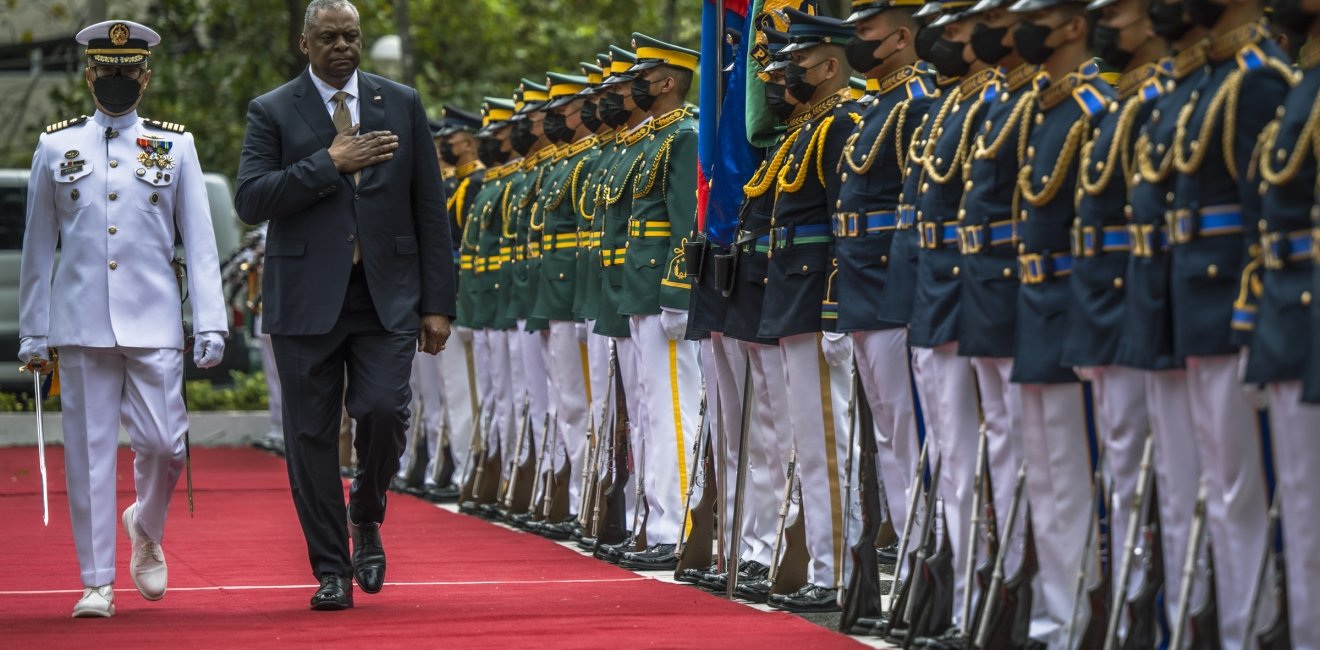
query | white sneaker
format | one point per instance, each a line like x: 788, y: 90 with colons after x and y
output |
x: 147, y: 566
x: 96, y: 602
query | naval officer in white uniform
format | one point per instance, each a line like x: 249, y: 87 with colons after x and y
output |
x: 113, y: 190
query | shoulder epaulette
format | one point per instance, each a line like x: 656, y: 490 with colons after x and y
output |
x: 64, y: 124
x: 1090, y: 99
x: 916, y: 87
x: 165, y: 126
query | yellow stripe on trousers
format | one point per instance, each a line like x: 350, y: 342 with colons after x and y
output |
x: 678, y: 430
x: 831, y: 456
x: 586, y: 374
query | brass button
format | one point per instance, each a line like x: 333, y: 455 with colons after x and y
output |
x: 844, y: 177
x: 884, y: 259
x: 652, y: 260
x: 925, y: 187
x: 113, y: 196
x: 805, y: 268
x: 1022, y: 248
x: 1040, y: 117
x: 113, y: 265
x: 956, y: 271
x: 625, y: 244
x: 561, y: 276
x: 765, y: 281
x: 1212, y: 271
x: 1306, y: 298
x: 967, y: 185
x: 114, y: 163
x: 113, y: 230
x: 1008, y: 273
x: 1118, y: 283
x: 497, y: 285
x: 141, y: 172
x: 1169, y: 197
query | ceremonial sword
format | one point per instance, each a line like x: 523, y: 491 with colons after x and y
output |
x: 41, y: 442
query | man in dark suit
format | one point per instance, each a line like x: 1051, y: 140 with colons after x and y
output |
x: 359, y: 270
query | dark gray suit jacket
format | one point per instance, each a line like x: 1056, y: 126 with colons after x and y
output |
x: 396, y: 214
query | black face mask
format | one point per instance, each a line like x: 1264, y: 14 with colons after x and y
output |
x: 612, y: 111
x: 988, y: 43
x: 861, y: 54
x: 448, y: 155
x: 1203, y: 12
x: 776, y: 102
x: 522, y: 138
x: 925, y: 40
x: 1167, y: 21
x: 641, y: 93
x: 556, y: 129
x: 796, y: 81
x: 947, y: 57
x: 116, y: 94
x: 1105, y: 40
x: 488, y: 152
x: 1289, y: 13
x: 1030, y: 40
x: 590, y: 118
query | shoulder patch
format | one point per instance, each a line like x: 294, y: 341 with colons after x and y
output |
x: 64, y: 124
x: 1089, y: 98
x: 990, y: 92
x: 1251, y: 57
x: 916, y: 87
x: 165, y: 126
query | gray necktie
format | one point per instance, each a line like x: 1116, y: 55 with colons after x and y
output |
x: 342, y: 121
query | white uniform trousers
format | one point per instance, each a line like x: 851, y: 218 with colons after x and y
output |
x: 769, y: 444
x: 598, y: 408
x: 883, y: 363
x: 427, y: 413
x: 1296, y: 434
x: 272, y: 382
x: 526, y: 351
x: 726, y: 365
x: 457, y: 402
x: 495, y: 385
x: 670, y: 375
x: 818, y: 410
x: 144, y: 386
x: 570, y: 393
x: 1228, y: 439
x: 948, y: 395
x: 625, y: 350
x: 1177, y: 475
x: 1122, y: 422
x: 1057, y: 487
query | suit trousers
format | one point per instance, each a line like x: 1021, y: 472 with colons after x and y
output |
x: 312, y: 374
x: 1178, y: 477
x: 818, y: 411
x: 670, y: 378
x: 1296, y: 430
x: 948, y: 392
x: 571, y: 394
x: 456, y: 402
x: 144, y: 386
x: 883, y: 362
x: 1058, y: 462
x: 768, y: 446
x: 1228, y: 439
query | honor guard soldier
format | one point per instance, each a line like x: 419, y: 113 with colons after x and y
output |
x: 114, y: 191
x: 1101, y: 246
x: 1146, y: 342
x: 483, y: 238
x: 987, y: 312
x: 865, y: 221
x: 660, y: 198
x: 1216, y: 205
x: 557, y: 221
x: 1053, y: 34
x: 768, y: 445
x: 799, y: 304
x: 1282, y: 336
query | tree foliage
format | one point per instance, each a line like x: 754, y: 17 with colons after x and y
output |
x: 217, y: 55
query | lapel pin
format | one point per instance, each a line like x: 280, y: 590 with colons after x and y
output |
x: 376, y: 99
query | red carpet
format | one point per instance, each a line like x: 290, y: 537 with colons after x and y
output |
x: 239, y: 577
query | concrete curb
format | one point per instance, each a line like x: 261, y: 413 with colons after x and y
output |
x: 206, y: 429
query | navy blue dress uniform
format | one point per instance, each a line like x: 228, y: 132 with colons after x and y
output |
x: 1215, y: 262
x: 1281, y: 342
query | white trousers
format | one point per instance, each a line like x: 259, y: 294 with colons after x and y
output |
x: 1228, y: 439
x: 1178, y: 476
x: 457, y: 400
x: 144, y: 386
x: 527, y: 358
x: 883, y: 362
x: 948, y: 395
x: 670, y: 376
x: 1001, y: 403
x: 769, y: 446
x: 1296, y: 430
x: 1057, y: 486
x: 818, y: 411
x: 629, y: 368
x: 1119, y: 396
x: 427, y: 408
x: 272, y: 381
x: 495, y: 385
x: 570, y: 393
x: 598, y: 408
x: 726, y: 365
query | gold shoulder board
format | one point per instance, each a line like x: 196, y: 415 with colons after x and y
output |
x: 165, y: 126
x: 64, y: 124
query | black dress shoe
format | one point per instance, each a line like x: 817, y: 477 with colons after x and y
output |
x: 438, y: 494
x: 468, y: 507
x: 887, y: 555
x: 335, y: 593
x: 690, y: 576
x: 587, y: 544
x: 368, y: 556
x: 751, y: 571
x: 414, y: 490
x: 716, y: 582
x: 613, y: 553
x: 398, y: 485
x: 757, y: 591
x: 660, y: 557
x: 559, y: 532
x: 810, y: 598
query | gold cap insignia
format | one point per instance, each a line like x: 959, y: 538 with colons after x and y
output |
x: 71, y: 154
x: 118, y: 34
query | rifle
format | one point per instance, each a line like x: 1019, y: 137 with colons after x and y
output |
x: 842, y: 550
x: 739, y: 482
x: 1276, y: 635
x: 1145, y: 611
x: 860, y: 597
x: 541, y: 479
x: 608, y: 517
x: 991, y: 621
x: 903, y: 540
x: 513, y: 491
x: 1140, y: 627
x: 789, y: 539
x: 699, y: 517
x: 916, y: 600
x: 1097, y: 540
x: 591, y: 469
x: 973, y: 528
x: 641, y: 511
x: 1204, y: 623
x: 983, y: 519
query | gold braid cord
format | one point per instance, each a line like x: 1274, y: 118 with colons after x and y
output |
x: 661, y: 165
x: 962, y: 151
x: 932, y: 134
x: 869, y: 158
x: 765, y: 177
x: 1053, y: 182
x: 1019, y: 113
x: 1189, y: 163
x: 796, y: 184
x: 1117, y: 149
x: 611, y: 198
x: 1308, y: 142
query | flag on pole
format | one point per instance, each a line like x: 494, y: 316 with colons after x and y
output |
x: 726, y: 158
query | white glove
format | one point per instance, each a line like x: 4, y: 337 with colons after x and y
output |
x: 1256, y: 395
x: 836, y: 347
x: 33, y: 347
x: 582, y: 331
x: 673, y: 322
x: 1086, y: 373
x: 208, y: 349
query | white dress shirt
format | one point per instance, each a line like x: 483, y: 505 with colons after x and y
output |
x: 327, y: 92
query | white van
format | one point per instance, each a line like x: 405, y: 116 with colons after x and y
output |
x: 13, y: 211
